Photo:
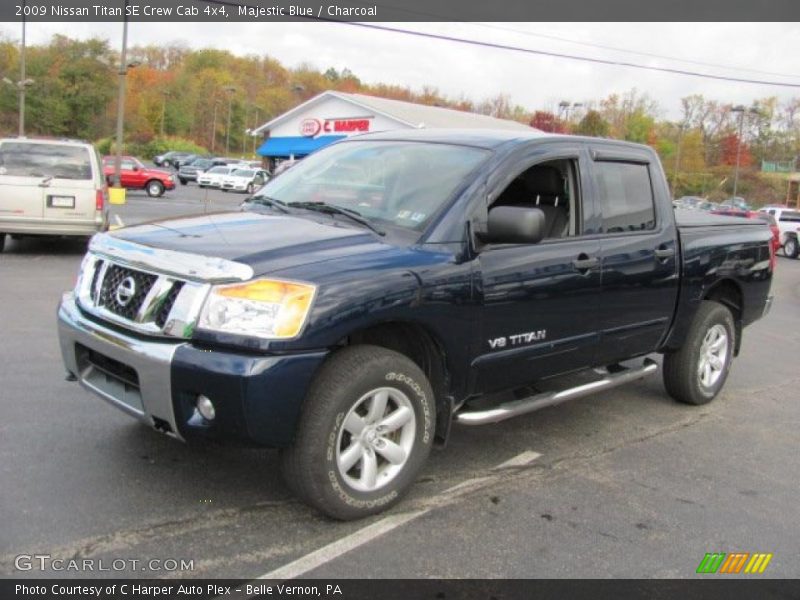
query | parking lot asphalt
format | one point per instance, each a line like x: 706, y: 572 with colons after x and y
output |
x: 626, y: 483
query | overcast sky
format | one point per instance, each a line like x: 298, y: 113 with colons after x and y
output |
x: 763, y: 51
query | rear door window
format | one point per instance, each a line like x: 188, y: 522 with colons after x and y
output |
x: 626, y: 197
x: 45, y: 160
x: 790, y: 216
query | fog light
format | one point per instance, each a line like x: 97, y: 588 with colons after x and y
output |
x: 206, y: 408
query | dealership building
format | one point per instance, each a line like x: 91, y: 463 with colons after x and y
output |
x: 331, y: 116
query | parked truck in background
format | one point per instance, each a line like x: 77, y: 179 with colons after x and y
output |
x: 394, y: 284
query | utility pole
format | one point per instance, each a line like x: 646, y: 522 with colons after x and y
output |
x: 123, y: 70
x: 677, y: 158
x: 214, y: 127
x: 22, y: 80
x: 164, y: 110
x: 741, y: 110
x: 255, y: 137
x: 230, y: 89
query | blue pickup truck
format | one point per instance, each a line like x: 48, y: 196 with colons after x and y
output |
x: 394, y: 284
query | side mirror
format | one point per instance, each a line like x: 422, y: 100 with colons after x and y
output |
x: 514, y: 225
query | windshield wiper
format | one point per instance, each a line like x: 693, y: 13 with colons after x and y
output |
x: 267, y: 201
x: 332, y: 209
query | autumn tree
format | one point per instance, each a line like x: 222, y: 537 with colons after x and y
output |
x: 546, y: 121
x: 592, y: 124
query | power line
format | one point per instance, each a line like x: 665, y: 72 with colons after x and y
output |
x: 497, y: 46
x: 570, y: 41
x: 630, y: 51
x: 589, y: 59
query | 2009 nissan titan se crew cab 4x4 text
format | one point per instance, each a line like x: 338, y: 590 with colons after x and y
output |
x: 393, y: 283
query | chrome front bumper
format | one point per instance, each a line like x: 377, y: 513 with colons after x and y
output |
x: 86, y: 347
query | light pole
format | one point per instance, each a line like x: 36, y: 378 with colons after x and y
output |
x: 741, y: 110
x: 214, y: 127
x: 124, y: 65
x: 23, y: 83
x: 231, y: 90
x: 255, y: 126
x: 164, y: 109
x: 564, y: 108
x: 678, y: 157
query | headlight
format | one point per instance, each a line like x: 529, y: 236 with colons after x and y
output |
x: 264, y: 308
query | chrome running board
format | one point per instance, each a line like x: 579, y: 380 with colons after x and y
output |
x: 524, y: 406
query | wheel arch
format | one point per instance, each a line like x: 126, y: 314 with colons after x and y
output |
x: 728, y: 293
x: 425, y: 349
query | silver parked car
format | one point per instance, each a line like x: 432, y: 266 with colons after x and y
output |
x: 50, y: 187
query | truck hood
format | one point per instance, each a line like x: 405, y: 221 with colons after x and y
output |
x: 265, y: 242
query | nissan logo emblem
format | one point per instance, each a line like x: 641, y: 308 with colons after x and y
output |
x: 126, y: 290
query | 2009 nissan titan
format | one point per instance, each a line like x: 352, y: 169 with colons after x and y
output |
x: 395, y: 283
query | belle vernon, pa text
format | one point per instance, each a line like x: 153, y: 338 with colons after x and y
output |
x: 169, y: 591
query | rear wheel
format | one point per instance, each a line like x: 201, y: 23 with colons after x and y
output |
x: 182, y: 180
x: 365, y: 432
x: 696, y: 373
x: 154, y: 188
x: 2, y: 241
x: 791, y: 248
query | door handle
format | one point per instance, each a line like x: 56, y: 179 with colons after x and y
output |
x: 664, y: 253
x: 584, y: 263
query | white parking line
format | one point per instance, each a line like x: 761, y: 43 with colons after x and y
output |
x: 319, y: 557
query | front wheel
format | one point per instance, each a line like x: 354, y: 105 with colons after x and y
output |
x: 696, y: 373
x: 791, y: 248
x: 250, y: 188
x: 2, y: 241
x: 155, y: 188
x: 182, y: 180
x: 365, y: 432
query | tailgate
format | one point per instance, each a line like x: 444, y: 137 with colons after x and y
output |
x: 70, y: 199
x: 21, y: 197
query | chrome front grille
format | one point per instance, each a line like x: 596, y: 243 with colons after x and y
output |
x: 134, y: 298
x: 140, y: 283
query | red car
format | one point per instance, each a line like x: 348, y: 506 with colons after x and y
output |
x: 136, y: 176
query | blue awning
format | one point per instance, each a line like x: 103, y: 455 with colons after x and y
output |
x: 284, y: 147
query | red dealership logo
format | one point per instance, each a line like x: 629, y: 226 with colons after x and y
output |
x: 313, y: 127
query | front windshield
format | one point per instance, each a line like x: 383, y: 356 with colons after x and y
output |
x: 401, y: 183
x: 242, y: 173
x: 219, y: 170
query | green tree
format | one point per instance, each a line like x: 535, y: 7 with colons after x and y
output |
x: 592, y: 124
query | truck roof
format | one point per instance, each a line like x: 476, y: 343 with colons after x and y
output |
x: 481, y: 138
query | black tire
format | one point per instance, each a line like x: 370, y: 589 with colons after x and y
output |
x: 224, y: 190
x: 344, y: 384
x: 154, y: 188
x: 791, y: 247
x: 182, y: 180
x: 250, y: 188
x: 201, y: 185
x: 2, y: 241
x: 683, y: 378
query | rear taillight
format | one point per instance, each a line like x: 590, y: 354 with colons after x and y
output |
x: 773, y: 254
x: 100, y: 198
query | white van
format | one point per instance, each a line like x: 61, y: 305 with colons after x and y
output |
x: 50, y: 187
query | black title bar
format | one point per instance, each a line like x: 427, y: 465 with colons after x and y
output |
x: 221, y: 11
